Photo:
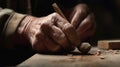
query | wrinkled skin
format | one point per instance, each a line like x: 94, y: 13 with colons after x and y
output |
x: 52, y: 33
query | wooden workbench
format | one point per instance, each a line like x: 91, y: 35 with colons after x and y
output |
x: 107, y: 58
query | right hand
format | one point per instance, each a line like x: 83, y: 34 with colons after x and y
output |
x: 82, y: 19
x: 51, y: 33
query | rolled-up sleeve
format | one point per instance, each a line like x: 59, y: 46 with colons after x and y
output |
x: 9, y: 21
x: 4, y: 15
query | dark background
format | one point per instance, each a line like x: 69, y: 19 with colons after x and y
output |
x: 107, y: 14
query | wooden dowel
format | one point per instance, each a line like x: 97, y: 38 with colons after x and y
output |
x: 58, y: 10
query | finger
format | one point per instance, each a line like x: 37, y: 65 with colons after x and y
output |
x: 47, y: 43
x: 52, y: 46
x: 79, y: 14
x: 77, y: 18
x: 56, y: 34
x: 88, y: 33
x: 85, y: 24
x: 67, y: 28
x: 38, y: 43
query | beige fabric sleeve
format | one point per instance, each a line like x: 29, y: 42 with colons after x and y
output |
x: 9, y: 22
x: 12, y: 23
x: 4, y: 15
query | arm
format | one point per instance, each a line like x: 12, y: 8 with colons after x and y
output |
x: 25, y: 29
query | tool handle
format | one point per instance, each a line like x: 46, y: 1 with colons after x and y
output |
x: 58, y: 10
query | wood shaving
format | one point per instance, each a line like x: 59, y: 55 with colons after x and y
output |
x: 98, y: 53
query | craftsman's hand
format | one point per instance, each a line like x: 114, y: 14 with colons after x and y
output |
x: 82, y: 19
x: 49, y: 34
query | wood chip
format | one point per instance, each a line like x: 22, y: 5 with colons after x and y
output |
x: 98, y: 53
x: 102, y: 57
x: 116, y: 52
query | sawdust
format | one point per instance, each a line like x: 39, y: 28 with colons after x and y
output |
x: 102, y: 57
x: 101, y: 54
x: 70, y: 59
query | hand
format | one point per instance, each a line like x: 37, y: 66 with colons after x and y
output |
x: 82, y: 19
x: 49, y: 34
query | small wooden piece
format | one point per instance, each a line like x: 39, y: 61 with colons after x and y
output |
x: 84, y: 48
x: 58, y: 10
x: 98, y: 53
x: 109, y: 44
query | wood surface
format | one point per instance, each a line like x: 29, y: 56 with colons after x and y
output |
x: 107, y: 58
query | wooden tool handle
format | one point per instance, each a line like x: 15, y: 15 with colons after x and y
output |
x: 58, y: 10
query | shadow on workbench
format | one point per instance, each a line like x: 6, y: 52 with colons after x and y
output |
x: 17, y: 56
x: 66, y: 53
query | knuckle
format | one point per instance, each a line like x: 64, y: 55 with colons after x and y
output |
x: 83, y: 11
x: 83, y: 8
x: 44, y: 24
x: 67, y: 26
x: 54, y: 17
x: 55, y: 14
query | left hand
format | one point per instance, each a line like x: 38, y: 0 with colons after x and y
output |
x: 82, y: 19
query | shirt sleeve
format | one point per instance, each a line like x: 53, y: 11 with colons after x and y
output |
x: 4, y: 15
x: 9, y: 21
